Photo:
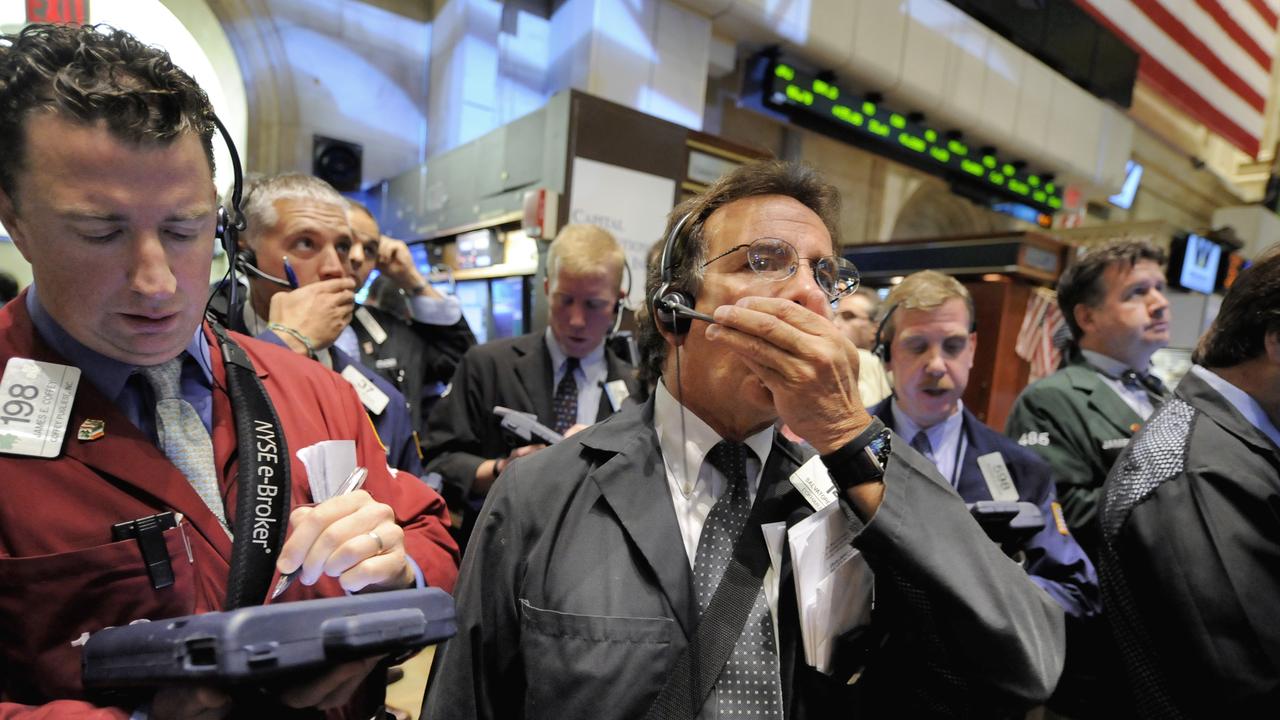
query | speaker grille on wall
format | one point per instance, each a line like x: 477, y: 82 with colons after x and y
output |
x: 337, y: 162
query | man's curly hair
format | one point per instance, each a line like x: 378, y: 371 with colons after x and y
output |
x: 93, y: 74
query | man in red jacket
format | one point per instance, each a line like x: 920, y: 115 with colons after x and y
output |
x: 120, y: 409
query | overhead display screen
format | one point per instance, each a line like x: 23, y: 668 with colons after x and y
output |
x: 820, y: 104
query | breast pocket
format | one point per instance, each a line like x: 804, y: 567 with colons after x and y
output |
x: 48, y: 604
x: 593, y: 666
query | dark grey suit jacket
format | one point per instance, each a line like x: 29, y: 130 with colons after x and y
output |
x: 576, y: 595
x: 463, y: 432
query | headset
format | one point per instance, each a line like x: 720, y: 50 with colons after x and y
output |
x: 231, y: 222
x: 881, y: 347
x: 672, y: 305
x: 626, y: 292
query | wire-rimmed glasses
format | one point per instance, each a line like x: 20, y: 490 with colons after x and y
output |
x: 776, y: 259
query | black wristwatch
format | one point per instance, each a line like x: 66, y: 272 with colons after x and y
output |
x: 862, y: 460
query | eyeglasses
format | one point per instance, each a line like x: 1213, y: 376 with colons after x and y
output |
x: 776, y: 259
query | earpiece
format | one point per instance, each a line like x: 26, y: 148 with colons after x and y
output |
x: 881, y: 347
x: 673, y: 306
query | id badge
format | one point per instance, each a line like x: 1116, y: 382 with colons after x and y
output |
x: 35, y: 405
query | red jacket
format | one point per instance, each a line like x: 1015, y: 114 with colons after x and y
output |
x: 61, y: 575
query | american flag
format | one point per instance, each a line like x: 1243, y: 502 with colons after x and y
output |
x: 1035, y: 339
x: 1211, y: 57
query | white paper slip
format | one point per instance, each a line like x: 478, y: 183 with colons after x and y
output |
x: 328, y: 463
x: 35, y: 405
x: 814, y: 483
x: 833, y: 583
x: 999, y: 481
x: 617, y: 392
x: 373, y: 398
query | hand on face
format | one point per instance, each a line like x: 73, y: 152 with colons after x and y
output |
x: 337, y: 538
x: 319, y: 310
x: 809, y: 366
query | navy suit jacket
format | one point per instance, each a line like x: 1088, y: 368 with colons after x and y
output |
x: 1054, y: 559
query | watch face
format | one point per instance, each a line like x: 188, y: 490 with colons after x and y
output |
x: 880, y: 446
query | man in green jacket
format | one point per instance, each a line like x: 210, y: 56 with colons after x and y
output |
x: 1080, y: 419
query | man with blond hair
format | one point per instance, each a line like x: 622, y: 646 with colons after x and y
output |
x: 564, y: 375
x: 929, y: 337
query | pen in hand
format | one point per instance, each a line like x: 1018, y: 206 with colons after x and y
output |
x: 290, y: 274
x: 353, y: 483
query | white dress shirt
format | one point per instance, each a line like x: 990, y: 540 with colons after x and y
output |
x: 1111, y: 369
x: 590, y: 377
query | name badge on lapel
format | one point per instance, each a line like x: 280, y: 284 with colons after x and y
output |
x: 373, y: 398
x: 371, y: 325
x: 35, y: 405
x: 617, y: 392
x: 999, y: 481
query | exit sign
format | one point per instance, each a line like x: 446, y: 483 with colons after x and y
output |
x: 72, y: 12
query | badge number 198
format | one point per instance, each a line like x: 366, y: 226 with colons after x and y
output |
x: 35, y: 404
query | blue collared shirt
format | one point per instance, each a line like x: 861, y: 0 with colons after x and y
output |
x: 590, y: 376
x: 946, y: 438
x: 1242, y: 401
x: 111, y: 377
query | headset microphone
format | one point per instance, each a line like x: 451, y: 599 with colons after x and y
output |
x: 247, y: 262
x: 671, y: 302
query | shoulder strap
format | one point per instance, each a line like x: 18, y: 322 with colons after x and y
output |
x: 263, y: 479
x: 699, y: 665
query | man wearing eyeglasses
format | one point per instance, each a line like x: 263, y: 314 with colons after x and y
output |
x: 565, y: 375
x: 593, y: 586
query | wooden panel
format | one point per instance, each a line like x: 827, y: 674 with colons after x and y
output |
x: 998, y: 373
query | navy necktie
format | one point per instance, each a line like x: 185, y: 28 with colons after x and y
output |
x: 565, y: 402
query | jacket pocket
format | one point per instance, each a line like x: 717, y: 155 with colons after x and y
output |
x: 50, y: 603
x: 592, y: 665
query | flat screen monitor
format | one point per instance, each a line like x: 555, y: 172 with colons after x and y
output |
x: 494, y: 307
x: 1132, y: 177
x: 1193, y: 263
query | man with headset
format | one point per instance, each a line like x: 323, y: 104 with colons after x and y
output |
x: 417, y: 354
x: 593, y: 583
x: 927, y: 339
x: 566, y: 376
x: 124, y: 420
x: 300, y: 256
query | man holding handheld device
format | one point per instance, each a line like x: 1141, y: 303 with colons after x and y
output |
x: 135, y: 407
x: 927, y: 338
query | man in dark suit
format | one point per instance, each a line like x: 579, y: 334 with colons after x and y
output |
x: 297, y: 251
x: 928, y: 342
x: 1191, y: 538
x: 598, y: 561
x: 567, y: 376
x: 417, y: 349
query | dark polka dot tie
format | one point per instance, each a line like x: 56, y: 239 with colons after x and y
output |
x: 748, y: 686
x: 565, y: 402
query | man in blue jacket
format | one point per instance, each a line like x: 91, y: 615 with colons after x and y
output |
x: 927, y: 340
